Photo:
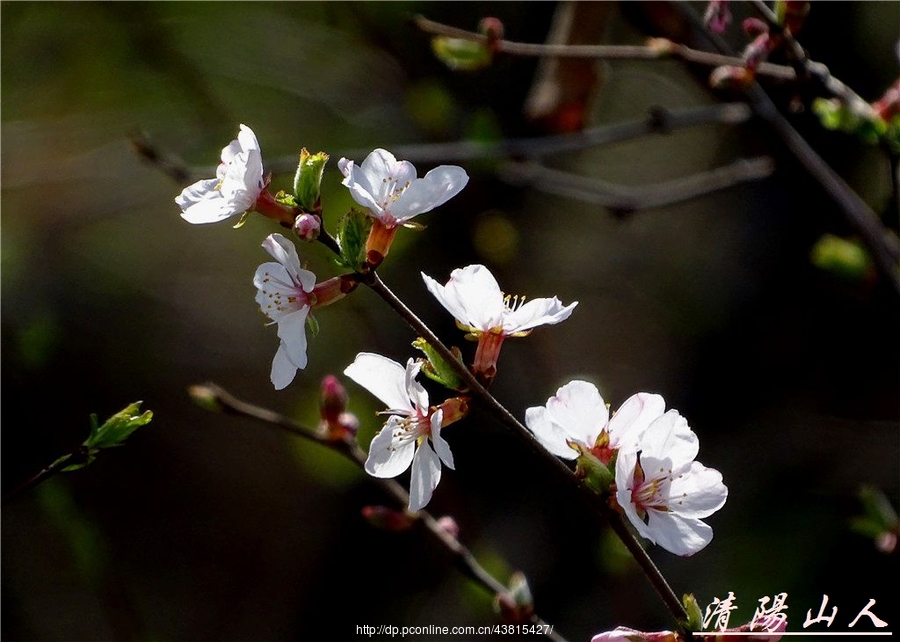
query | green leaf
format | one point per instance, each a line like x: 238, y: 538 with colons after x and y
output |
x: 353, y: 230
x: 437, y: 368
x: 313, y: 325
x: 843, y: 258
x: 308, y: 179
x: 694, y: 614
x: 117, y: 428
x: 461, y: 55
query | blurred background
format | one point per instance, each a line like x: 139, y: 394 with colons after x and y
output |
x: 207, y: 527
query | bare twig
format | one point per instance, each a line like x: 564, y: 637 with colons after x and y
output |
x: 216, y: 396
x: 624, y: 198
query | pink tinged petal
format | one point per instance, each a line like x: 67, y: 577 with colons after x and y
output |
x: 440, y: 444
x: 535, y: 313
x: 424, y: 194
x: 680, y: 535
x: 633, y: 418
x: 283, y: 369
x: 698, y: 492
x: 670, y: 437
x: 384, y: 378
x: 388, y: 457
x: 550, y: 435
x: 579, y: 410
x: 426, y: 473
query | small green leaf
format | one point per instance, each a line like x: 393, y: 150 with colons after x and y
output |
x: 308, y: 179
x: 437, y: 368
x: 844, y: 258
x: 461, y: 55
x: 352, y: 232
x: 117, y: 428
x: 285, y: 199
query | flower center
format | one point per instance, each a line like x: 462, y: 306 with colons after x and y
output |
x: 410, y: 428
x: 651, y: 491
x: 390, y: 191
x: 512, y: 302
x: 284, y: 296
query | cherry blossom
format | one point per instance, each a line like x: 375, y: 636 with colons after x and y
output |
x: 475, y: 300
x: 236, y: 188
x: 577, y: 415
x: 393, y: 194
x: 412, y: 433
x: 664, y: 492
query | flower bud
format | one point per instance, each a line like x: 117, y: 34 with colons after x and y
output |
x: 516, y: 605
x: 336, y: 424
x: 717, y: 16
x: 492, y: 28
x: 308, y: 180
x: 449, y: 525
x: 307, y: 227
x: 387, y: 518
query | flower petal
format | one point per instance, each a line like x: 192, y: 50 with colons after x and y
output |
x: 550, y: 434
x: 537, y: 312
x: 388, y: 457
x: 434, y: 189
x: 292, y: 332
x: 632, y: 419
x: 579, y: 410
x: 440, y: 444
x: 384, y: 378
x: 670, y: 437
x: 283, y: 369
x: 426, y: 473
x: 680, y: 535
x: 698, y: 492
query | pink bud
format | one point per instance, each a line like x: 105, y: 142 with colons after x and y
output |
x: 754, y: 27
x: 307, y: 227
x: 333, y: 399
x: 449, y: 525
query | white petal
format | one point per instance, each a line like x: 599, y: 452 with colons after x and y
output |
x: 292, y: 332
x: 698, y: 492
x: 679, y: 535
x: 387, y: 456
x: 472, y: 296
x: 670, y: 437
x: 415, y: 391
x: 434, y: 189
x: 201, y: 190
x: 247, y: 139
x: 283, y: 369
x: 535, y: 313
x: 579, y: 410
x: 550, y: 435
x: 426, y: 473
x: 446, y: 298
x: 383, y: 377
x: 210, y: 210
x: 633, y: 418
x: 440, y: 444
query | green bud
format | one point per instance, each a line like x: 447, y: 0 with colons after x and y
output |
x: 437, y: 368
x: 308, y: 179
x: 694, y: 620
x: 461, y: 55
x: 844, y: 258
x: 353, y: 230
x: 205, y: 397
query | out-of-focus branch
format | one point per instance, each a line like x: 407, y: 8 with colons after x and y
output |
x: 625, y: 198
x: 215, y: 397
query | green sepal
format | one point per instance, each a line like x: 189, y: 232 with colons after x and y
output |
x: 308, y: 179
x: 461, y: 55
x: 313, y: 325
x: 694, y: 620
x: 594, y: 473
x: 437, y: 368
x: 286, y: 199
x: 242, y: 220
x: 353, y: 230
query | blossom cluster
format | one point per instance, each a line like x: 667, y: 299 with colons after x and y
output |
x: 642, y: 458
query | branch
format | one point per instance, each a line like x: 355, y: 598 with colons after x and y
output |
x: 215, y: 397
x: 476, y: 389
x: 625, y: 198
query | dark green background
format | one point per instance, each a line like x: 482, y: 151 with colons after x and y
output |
x: 209, y: 528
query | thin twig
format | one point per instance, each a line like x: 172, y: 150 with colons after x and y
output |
x: 72, y: 458
x: 625, y: 198
x: 214, y: 395
x: 476, y: 389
